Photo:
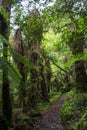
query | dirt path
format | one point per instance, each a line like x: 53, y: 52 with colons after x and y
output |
x: 50, y: 120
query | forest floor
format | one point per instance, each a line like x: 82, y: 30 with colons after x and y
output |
x: 50, y: 119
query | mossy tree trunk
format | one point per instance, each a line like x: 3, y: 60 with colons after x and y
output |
x: 34, y: 35
x: 44, y: 84
x: 48, y: 74
x: 19, y: 48
x: 34, y: 75
x: 80, y: 71
x: 6, y: 101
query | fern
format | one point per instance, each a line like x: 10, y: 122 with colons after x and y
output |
x: 73, y: 59
x: 3, y: 40
x: 22, y: 59
x: 10, y: 66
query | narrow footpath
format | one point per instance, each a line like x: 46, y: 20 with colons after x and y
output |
x: 50, y: 120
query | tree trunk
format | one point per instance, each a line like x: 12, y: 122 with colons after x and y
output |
x: 4, y: 31
x: 81, y: 77
x: 44, y: 85
x: 48, y: 74
x: 80, y: 72
x: 19, y: 48
x: 34, y: 77
x: 35, y: 31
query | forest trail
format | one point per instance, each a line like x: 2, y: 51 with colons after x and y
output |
x: 50, y: 120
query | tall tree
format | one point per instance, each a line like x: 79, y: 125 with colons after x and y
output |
x: 33, y: 32
x: 5, y: 12
x: 70, y: 17
x: 48, y: 74
x: 45, y: 80
x: 19, y: 48
x: 4, y: 31
x: 78, y: 43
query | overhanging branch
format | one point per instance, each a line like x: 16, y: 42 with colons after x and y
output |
x: 59, y: 67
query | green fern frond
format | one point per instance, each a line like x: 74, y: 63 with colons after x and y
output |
x: 11, y: 67
x: 73, y: 59
x: 3, y: 40
x: 22, y: 59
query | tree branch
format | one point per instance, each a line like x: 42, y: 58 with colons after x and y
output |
x: 59, y: 67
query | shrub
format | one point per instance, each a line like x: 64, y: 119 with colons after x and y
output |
x: 73, y: 112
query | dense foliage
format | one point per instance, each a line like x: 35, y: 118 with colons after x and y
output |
x: 74, y: 111
x: 43, y: 55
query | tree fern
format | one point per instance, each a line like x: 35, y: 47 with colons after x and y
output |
x: 73, y: 59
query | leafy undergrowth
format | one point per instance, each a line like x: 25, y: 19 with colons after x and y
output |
x: 74, y: 111
x: 25, y: 119
x: 43, y: 106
